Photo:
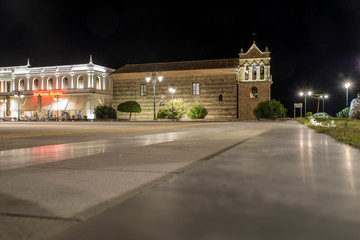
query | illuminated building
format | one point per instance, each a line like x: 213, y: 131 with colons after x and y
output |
x: 47, y: 92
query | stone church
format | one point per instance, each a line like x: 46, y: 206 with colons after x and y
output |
x: 228, y: 88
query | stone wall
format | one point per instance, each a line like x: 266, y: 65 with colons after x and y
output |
x: 212, y: 84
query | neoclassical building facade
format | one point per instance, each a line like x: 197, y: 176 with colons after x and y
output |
x: 228, y: 88
x: 51, y: 91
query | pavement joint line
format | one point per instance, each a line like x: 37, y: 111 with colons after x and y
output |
x: 55, y: 133
x: 100, y: 169
x: 38, y: 217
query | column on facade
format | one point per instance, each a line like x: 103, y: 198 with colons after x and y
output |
x: 57, y: 80
x: 258, y: 72
x: 88, y: 81
x: 2, y: 86
x: 104, y: 82
x: 250, y: 72
x: 72, y: 79
x: 28, y: 82
x: 12, y: 86
x: 42, y: 81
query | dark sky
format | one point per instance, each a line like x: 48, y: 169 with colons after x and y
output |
x: 314, y: 45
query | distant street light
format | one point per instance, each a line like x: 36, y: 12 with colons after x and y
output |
x: 153, y: 78
x: 347, y: 85
x: 172, y: 91
x: 323, y: 97
x: 306, y: 94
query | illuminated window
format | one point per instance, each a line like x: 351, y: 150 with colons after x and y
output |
x: 254, y: 92
x: 50, y: 84
x: 65, y: 83
x: 247, y: 73
x: 21, y: 85
x: 80, y: 82
x: 98, y: 83
x: 254, y: 72
x: 36, y: 85
x: 196, y: 89
x: 142, y: 89
x: 8, y: 86
x: 262, y: 73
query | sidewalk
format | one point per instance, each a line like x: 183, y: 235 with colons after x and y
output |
x: 287, y: 183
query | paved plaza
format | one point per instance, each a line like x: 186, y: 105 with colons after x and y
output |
x: 176, y: 180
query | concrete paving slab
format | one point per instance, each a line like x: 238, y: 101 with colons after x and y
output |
x: 73, y: 182
x: 287, y: 183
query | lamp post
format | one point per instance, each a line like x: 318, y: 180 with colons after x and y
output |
x: 325, y: 97
x: 347, y: 85
x: 57, y: 99
x: 306, y: 94
x: 172, y: 91
x: 153, y: 79
x: 18, y: 95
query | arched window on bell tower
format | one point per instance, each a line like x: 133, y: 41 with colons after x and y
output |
x: 254, y: 72
x: 262, y: 72
x: 247, y: 72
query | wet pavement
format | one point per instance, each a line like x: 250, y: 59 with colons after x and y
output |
x: 258, y: 180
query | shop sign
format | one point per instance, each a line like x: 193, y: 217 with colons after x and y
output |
x: 48, y: 93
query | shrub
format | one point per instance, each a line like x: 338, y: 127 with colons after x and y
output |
x: 308, y: 114
x: 343, y: 113
x: 179, y: 109
x: 130, y: 107
x: 105, y: 112
x: 197, y: 112
x: 271, y: 109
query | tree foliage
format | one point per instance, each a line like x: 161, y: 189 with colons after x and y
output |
x: 130, y: 107
x: 179, y: 109
x: 105, y: 112
x: 197, y: 112
x: 271, y: 109
x: 343, y: 113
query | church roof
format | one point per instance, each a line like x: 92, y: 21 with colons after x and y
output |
x: 255, y: 52
x: 178, y: 66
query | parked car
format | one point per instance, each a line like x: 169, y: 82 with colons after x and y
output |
x: 319, y: 115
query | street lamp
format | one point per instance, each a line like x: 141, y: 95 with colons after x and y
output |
x: 19, y: 95
x: 57, y: 99
x: 347, y: 85
x: 306, y: 94
x: 153, y: 79
x: 172, y: 91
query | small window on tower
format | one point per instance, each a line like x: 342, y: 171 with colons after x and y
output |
x: 254, y: 92
x: 220, y: 98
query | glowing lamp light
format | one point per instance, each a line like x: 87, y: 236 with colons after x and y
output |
x: 160, y: 78
x: 301, y: 94
x: 148, y: 79
x: 172, y: 90
x: 347, y: 85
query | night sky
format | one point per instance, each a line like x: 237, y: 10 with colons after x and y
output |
x: 314, y: 45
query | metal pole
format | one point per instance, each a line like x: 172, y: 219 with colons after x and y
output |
x: 154, y: 79
x: 18, y: 106
x: 347, y: 96
x: 57, y: 108
x: 172, y: 105
x: 305, y: 108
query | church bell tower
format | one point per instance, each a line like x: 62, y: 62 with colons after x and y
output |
x: 253, y: 80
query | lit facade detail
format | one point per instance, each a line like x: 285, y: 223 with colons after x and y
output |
x: 82, y: 87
